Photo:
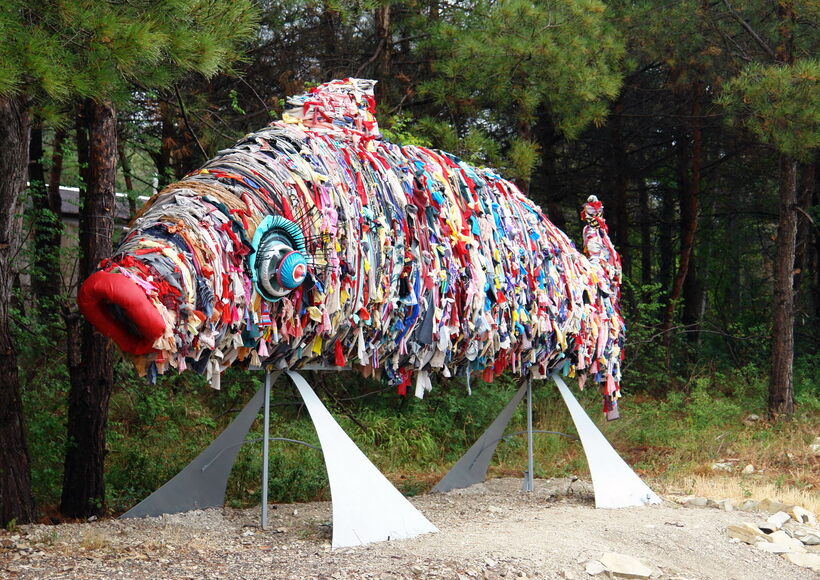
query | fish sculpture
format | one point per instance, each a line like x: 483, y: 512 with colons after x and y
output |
x: 315, y: 240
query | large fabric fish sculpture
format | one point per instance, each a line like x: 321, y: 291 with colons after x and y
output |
x: 315, y: 240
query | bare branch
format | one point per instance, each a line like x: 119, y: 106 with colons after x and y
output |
x: 187, y: 124
x: 750, y: 30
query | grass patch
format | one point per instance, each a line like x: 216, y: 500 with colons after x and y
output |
x: 671, y: 439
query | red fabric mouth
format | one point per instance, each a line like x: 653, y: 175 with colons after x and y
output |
x: 120, y: 309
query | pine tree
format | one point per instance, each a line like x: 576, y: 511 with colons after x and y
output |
x: 776, y: 97
x: 52, y: 52
x: 533, y: 73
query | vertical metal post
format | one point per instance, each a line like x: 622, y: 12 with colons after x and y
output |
x: 265, y: 443
x: 528, y: 485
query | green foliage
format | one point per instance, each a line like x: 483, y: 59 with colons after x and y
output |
x: 524, y: 156
x: 565, y: 55
x: 644, y: 366
x: 57, y: 50
x: 400, y: 130
x: 475, y: 146
x: 780, y: 104
x: 807, y: 383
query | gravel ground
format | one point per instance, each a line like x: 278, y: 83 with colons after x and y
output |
x: 489, y: 531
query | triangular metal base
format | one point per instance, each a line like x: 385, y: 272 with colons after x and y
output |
x: 202, y: 483
x: 614, y: 482
x: 366, y: 506
x: 473, y: 465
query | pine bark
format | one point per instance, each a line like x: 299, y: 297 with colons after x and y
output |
x: 92, y: 380
x: 781, y: 388
x: 689, y: 204
x: 125, y: 165
x: 16, y: 499
x: 48, y: 225
x: 621, y: 186
x: 384, y: 62
x: 646, y: 235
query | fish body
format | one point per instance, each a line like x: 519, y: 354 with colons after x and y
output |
x: 315, y: 240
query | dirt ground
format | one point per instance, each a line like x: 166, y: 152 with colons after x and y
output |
x: 490, y: 531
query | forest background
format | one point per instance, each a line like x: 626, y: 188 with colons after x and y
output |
x: 695, y: 122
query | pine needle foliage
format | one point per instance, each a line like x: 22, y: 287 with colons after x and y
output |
x: 525, y: 55
x: 779, y: 104
x: 59, y: 50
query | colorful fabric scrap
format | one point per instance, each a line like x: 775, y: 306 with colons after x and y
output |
x: 315, y: 240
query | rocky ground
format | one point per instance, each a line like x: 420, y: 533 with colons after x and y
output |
x: 488, y: 531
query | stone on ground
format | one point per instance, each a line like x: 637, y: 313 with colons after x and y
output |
x: 811, y: 561
x: 726, y: 505
x: 748, y: 533
x: 778, y: 519
x: 625, y: 566
x: 749, y: 505
x: 594, y: 567
x: 772, y: 506
x: 809, y: 536
x: 696, y: 502
x: 803, y: 516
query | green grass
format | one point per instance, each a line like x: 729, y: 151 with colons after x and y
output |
x: 155, y: 430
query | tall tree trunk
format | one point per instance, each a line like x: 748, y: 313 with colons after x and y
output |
x: 384, y: 48
x: 91, y: 383
x: 781, y: 388
x: 16, y: 500
x: 667, y: 257
x: 805, y: 238
x: 38, y: 212
x: 125, y: 164
x: 621, y: 185
x: 781, y: 393
x: 48, y: 234
x: 693, y: 296
x: 690, y: 192
x: 330, y: 24
x: 167, y: 144
x: 544, y: 186
x: 646, y: 235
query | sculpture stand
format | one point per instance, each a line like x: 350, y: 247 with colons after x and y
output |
x: 473, y: 465
x: 366, y: 506
x: 202, y: 483
x: 614, y: 482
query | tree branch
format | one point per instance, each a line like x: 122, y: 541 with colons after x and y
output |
x: 750, y: 30
x: 187, y: 124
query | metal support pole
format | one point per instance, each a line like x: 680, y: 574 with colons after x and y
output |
x: 265, y: 444
x: 528, y: 485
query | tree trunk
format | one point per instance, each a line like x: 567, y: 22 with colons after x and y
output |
x: 126, y: 174
x: 167, y: 144
x: 805, y: 239
x: 781, y: 393
x: 693, y: 300
x: 666, y: 258
x: 544, y: 187
x: 16, y: 500
x: 384, y: 46
x: 92, y: 382
x: 781, y: 388
x: 690, y: 192
x: 46, y: 281
x: 621, y: 184
x: 329, y: 32
x: 646, y: 235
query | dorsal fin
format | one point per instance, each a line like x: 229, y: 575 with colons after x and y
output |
x: 339, y: 105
